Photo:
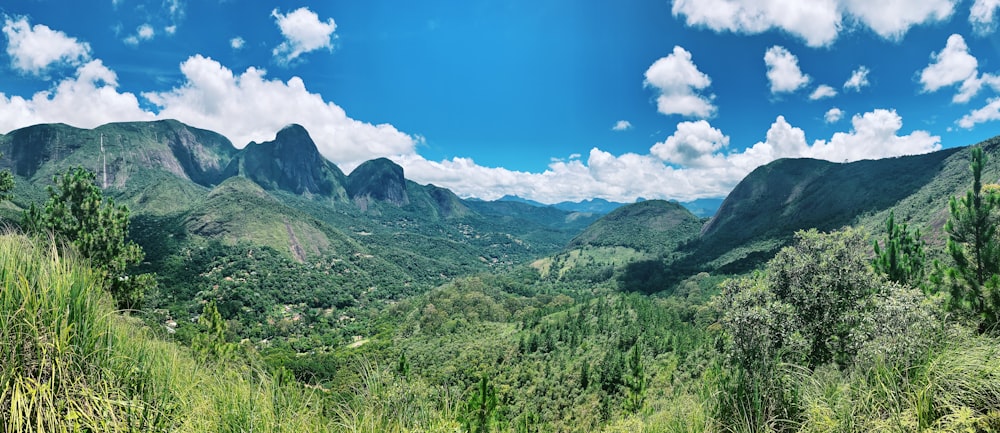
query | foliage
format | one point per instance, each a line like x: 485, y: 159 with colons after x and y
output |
x: 817, y: 303
x: 825, y: 284
x: 211, y: 342
x: 974, y: 280
x: 78, y: 213
x: 481, y: 407
x: 901, y: 258
x: 67, y: 363
x: 635, y: 381
x: 6, y: 183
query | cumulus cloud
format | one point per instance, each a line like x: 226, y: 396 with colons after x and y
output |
x: 833, y: 115
x: 678, y: 79
x: 988, y: 113
x: 818, y: 23
x: 973, y: 85
x: 144, y: 32
x: 691, y: 163
x: 874, y: 135
x: 94, y: 86
x: 982, y: 15
x: 35, y: 49
x: 822, y: 91
x: 783, y: 70
x: 622, y: 125
x: 892, y: 19
x: 691, y: 144
x: 237, y: 43
x: 303, y: 32
x: 859, y: 79
x: 951, y: 65
x: 249, y: 107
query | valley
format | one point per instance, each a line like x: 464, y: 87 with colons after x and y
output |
x: 369, y: 302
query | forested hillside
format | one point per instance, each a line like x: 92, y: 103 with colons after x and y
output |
x: 263, y: 289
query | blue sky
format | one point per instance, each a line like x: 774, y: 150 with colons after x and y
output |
x: 547, y: 99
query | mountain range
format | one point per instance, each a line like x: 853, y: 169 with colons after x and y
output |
x: 187, y: 186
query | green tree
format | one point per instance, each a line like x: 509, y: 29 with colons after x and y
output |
x: 635, y: 382
x: 973, y: 246
x: 901, y: 256
x: 827, y: 281
x: 481, y: 407
x: 77, y: 213
x: 6, y: 183
x: 211, y: 343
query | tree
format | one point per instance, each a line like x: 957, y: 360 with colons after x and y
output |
x: 77, y: 213
x: 827, y: 281
x: 973, y: 281
x: 211, y: 343
x: 6, y: 183
x: 635, y: 382
x: 481, y: 407
x: 901, y: 258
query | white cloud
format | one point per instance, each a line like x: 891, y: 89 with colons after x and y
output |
x: 951, y: 65
x: 818, y: 22
x: 677, y: 79
x: 171, y: 29
x: 142, y: 33
x: 859, y: 79
x: 94, y: 86
x: 35, y: 49
x: 988, y: 113
x: 710, y: 172
x: 783, y: 70
x: 874, y: 135
x: 822, y: 91
x: 237, y: 43
x: 691, y: 145
x: 982, y: 15
x: 250, y: 107
x: 891, y: 19
x: 972, y: 86
x: 833, y: 115
x: 622, y: 125
x: 303, y: 32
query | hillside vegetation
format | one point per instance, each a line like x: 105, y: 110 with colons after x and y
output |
x: 820, y: 297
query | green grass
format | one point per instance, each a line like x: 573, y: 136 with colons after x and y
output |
x: 69, y: 362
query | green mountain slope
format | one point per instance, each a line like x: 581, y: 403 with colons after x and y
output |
x: 120, y: 153
x: 765, y: 209
x: 291, y: 162
x: 653, y: 226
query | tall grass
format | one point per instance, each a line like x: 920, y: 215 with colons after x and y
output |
x: 956, y: 388
x: 69, y: 362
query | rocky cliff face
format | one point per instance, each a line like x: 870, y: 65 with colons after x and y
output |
x: 292, y: 163
x: 379, y: 179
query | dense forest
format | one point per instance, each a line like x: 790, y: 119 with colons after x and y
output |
x: 114, y: 321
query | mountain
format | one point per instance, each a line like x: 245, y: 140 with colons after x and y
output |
x: 652, y: 226
x: 765, y: 209
x: 516, y: 199
x: 291, y: 163
x: 597, y: 205
x: 186, y: 186
x: 119, y: 153
x: 703, y: 207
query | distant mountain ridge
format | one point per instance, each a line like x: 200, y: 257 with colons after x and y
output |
x: 285, y: 195
x: 700, y: 207
x: 193, y: 184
